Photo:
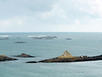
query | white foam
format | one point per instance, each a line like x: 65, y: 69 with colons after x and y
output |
x: 4, y: 37
x: 42, y: 37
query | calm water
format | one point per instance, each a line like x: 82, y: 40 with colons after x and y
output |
x: 81, y: 44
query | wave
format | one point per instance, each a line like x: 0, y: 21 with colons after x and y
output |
x: 42, y: 37
x: 4, y: 37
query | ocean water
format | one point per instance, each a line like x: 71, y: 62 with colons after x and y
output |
x: 81, y: 44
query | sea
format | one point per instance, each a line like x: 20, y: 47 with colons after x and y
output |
x: 80, y: 44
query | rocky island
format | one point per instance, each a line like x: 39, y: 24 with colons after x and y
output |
x: 23, y: 55
x: 67, y: 57
x: 6, y: 58
x: 43, y: 37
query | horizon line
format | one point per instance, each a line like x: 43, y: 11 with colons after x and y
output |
x: 47, y: 32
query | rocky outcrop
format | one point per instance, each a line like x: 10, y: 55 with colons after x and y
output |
x: 20, y: 42
x: 67, y: 57
x: 6, y: 58
x: 32, y: 62
x: 43, y: 37
x: 68, y: 38
x: 23, y: 55
x: 77, y: 59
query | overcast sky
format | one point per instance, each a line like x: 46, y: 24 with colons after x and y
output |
x: 50, y: 15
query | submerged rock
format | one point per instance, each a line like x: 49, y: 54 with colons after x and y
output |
x: 24, y: 55
x: 20, y: 42
x: 68, y: 38
x: 6, y: 58
x: 67, y: 57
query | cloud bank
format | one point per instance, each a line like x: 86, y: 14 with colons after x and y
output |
x: 50, y: 15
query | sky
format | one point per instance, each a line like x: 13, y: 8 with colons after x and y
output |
x: 50, y: 15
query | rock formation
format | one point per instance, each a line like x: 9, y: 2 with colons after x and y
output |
x: 67, y: 57
x: 6, y: 58
x: 20, y: 42
x: 24, y: 55
x: 66, y: 54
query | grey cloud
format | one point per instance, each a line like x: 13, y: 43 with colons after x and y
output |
x: 9, y: 8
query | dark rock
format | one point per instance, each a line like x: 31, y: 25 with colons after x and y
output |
x: 76, y: 59
x: 24, y: 55
x: 20, y: 42
x: 6, y: 58
x: 32, y: 62
x: 68, y: 38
